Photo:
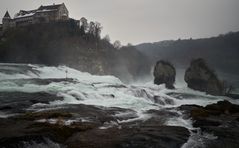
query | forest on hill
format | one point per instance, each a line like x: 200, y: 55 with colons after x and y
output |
x: 220, y: 52
x: 67, y: 43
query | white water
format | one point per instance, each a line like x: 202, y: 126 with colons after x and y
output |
x: 105, y: 91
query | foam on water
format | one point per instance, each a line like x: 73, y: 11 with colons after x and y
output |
x: 105, y: 91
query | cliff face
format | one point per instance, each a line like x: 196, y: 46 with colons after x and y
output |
x: 65, y: 43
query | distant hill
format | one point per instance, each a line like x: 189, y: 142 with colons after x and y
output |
x: 66, y: 43
x: 221, y: 52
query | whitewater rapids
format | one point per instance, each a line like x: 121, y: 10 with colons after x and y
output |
x: 103, y: 91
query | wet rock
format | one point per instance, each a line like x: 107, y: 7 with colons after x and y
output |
x: 38, y: 81
x: 212, y: 114
x: 156, y: 137
x: 59, y: 124
x: 223, y: 107
x: 25, y: 141
x: 164, y: 73
x: 18, y: 102
x: 200, y: 77
x: 226, y: 137
x: 141, y: 136
x: 234, y: 96
x: 160, y: 116
x: 220, y: 119
x: 182, y: 96
x: 85, y: 128
x: 163, y: 100
x: 45, y: 115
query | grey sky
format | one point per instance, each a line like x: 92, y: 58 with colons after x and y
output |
x: 138, y: 21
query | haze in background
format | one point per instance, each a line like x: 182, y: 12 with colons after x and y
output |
x: 138, y: 21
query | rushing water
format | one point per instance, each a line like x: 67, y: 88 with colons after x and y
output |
x: 103, y: 91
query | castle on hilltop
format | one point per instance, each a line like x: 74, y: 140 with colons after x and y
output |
x: 44, y: 14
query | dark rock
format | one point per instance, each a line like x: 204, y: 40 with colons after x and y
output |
x: 22, y: 142
x: 200, y: 77
x: 223, y: 107
x: 5, y: 108
x: 160, y: 116
x: 182, y: 96
x: 227, y: 137
x: 163, y: 100
x: 18, y: 102
x: 158, y: 100
x: 26, y: 128
x: 156, y: 137
x: 219, y: 119
x: 164, y: 73
x: 201, y: 122
x: 234, y: 96
x: 212, y: 114
x: 37, y: 81
x: 142, y: 136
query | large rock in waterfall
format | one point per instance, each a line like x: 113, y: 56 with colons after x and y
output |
x: 200, y: 77
x: 164, y: 73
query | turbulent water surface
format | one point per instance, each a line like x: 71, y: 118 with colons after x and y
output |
x: 66, y: 89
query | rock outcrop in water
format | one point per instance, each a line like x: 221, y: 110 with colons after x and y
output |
x: 220, y: 119
x: 164, y: 73
x: 200, y: 77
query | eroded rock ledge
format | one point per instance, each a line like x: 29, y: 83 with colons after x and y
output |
x: 220, y: 119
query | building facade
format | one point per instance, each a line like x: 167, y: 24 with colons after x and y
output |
x: 44, y: 14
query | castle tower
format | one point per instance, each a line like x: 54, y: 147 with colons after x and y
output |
x: 6, y: 21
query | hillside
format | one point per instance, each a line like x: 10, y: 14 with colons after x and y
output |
x: 221, y: 52
x: 65, y: 43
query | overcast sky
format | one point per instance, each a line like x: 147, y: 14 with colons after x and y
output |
x: 137, y: 21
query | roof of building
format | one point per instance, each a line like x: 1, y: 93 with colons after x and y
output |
x: 7, y: 15
x: 21, y: 15
x: 24, y: 13
x: 50, y: 7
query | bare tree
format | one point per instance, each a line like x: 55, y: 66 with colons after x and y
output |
x: 129, y: 45
x: 228, y: 88
x: 92, y: 28
x: 84, y: 24
x: 107, y: 38
x: 117, y: 44
x: 97, y: 30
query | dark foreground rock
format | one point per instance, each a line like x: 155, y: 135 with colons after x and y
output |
x: 200, y: 77
x: 18, y: 102
x: 220, y: 119
x: 134, y: 137
x: 234, y: 96
x: 38, y: 81
x: 86, y: 127
x: 164, y: 73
